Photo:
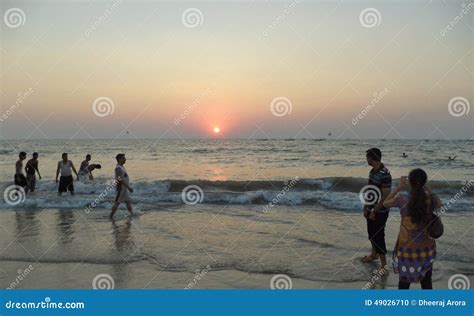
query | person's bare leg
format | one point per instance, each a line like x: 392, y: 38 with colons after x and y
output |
x: 129, y: 207
x: 114, y: 209
x: 383, y: 261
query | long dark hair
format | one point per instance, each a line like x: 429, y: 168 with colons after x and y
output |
x: 418, y: 205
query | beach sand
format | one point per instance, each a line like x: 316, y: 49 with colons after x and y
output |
x: 207, y: 246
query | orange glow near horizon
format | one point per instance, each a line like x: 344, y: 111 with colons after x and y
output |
x: 217, y: 130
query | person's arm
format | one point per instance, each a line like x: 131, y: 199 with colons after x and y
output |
x: 365, y: 210
x: 74, y: 169
x: 385, y: 194
x: 118, y: 174
x: 435, y: 200
x: 386, y: 187
x: 390, y: 200
x: 57, y: 172
x: 37, y: 169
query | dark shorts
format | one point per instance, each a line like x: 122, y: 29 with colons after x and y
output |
x: 20, y: 180
x: 376, y: 230
x: 66, y: 183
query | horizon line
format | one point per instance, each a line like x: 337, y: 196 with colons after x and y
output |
x: 223, y: 138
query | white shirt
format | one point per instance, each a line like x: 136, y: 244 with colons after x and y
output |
x: 65, y: 168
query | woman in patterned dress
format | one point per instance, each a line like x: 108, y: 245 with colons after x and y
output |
x: 415, y: 250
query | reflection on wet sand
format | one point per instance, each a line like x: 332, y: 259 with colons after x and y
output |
x: 65, y: 226
x: 124, y: 246
x: 27, y: 226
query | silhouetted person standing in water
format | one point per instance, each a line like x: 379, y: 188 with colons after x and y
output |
x: 31, y: 169
x: 19, y: 177
x: 375, y: 213
x: 66, y: 181
x: 122, y: 186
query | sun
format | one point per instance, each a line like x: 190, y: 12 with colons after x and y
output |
x: 217, y: 130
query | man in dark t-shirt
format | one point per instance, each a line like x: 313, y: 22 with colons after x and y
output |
x: 378, y: 188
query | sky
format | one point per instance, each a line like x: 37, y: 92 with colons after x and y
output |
x: 253, y: 69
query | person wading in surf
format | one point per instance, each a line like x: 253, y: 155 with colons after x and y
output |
x: 66, y: 181
x: 122, y: 186
x: 375, y: 213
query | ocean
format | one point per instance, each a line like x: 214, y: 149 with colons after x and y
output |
x: 222, y: 213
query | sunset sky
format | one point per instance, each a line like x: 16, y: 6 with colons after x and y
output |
x: 169, y: 80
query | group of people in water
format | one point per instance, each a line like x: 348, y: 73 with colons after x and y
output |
x: 64, y: 172
x: 415, y: 249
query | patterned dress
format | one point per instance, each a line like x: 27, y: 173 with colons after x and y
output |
x: 415, y: 251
